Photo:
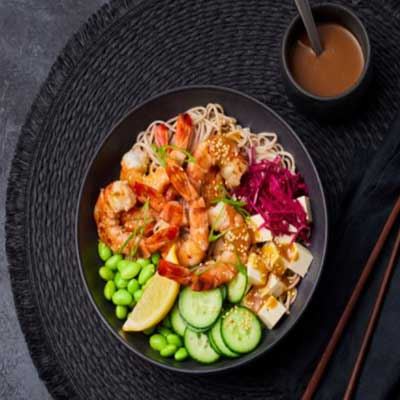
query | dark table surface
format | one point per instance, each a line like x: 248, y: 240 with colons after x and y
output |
x: 32, y: 33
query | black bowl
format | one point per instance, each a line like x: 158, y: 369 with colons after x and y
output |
x: 335, y: 107
x: 104, y: 168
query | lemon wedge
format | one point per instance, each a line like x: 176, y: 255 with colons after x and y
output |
x: 157, y: 300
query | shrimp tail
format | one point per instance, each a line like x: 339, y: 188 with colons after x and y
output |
x: 176, y: 272
x: 145, y: 192
x: 173, y: 213
x: 160, y: 239
x: 180, y: 181
x: 161, y: 136
x: 184, y: 130
x: 171, y: 194
x: 214, y: 276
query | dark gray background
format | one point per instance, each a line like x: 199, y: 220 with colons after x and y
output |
x: 32, y: 33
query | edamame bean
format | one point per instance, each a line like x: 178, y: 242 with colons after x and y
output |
x: 121, y: 312
x: 149, y: 331
x: 109, y: 290
x: 157, y: 342
x: 164, y: 331
x: 119, y: 281
x: 174, y: 339
x: 143, y: 262
x: 146, y: 273
x: 130, y: 270
x: 181, y: 354
x: 155, y: 258
x: 133, y: 285
x: 137, y: 295
x: 168, y: 350
x: 167, y: 322
x: 104, y: 251
x: 122, y: 298
x: 145, y: 285
x: 106, y: 273
x: 113, y: 261
x: 122, y: 264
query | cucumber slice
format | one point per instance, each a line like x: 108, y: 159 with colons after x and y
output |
x: 237, y: 288
x: 248, y: 287
x: 194, y: 329
x: 216, y: 338
x: 212, y: 343
x: 241, y: 330
x: 199, y: 347
x: 178, y: 323
x: 200, y: 309
x: 223, y: 291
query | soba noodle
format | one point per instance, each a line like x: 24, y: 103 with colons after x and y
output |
x: 212, y: 118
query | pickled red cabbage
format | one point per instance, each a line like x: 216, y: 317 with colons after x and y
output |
x: 271, y: 190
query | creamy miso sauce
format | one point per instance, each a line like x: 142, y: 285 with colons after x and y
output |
x: 335, y: 70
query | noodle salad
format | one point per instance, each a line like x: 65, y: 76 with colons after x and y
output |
x: 204, y: 236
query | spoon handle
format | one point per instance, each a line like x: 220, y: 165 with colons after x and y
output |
x: 303, y: 6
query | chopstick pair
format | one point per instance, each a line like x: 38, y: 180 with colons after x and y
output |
x: 344, y: 319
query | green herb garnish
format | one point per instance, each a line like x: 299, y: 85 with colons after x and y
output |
x: 161, y: 152
x: 240, y: 266
x: 227, y: 199
x: 213, y: 237
x: 189, y: 156
x: 138, y: 231
x: 134, y: 250
x: 129, y: 238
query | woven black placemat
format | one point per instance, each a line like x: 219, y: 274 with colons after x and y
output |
x: 126, y: 53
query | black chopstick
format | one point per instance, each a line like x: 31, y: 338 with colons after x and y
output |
x: 373, y: 320
x: 357, y: 291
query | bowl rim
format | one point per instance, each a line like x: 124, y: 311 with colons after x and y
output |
x: 208, y: 369
x: 367, y: 54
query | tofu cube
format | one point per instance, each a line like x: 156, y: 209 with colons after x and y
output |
x: 260, y: 234
x: 274, y: 286
x: 305, y: 203
x: 284, y: 239
x: 257, y: 220
x: 272, y: 259
x: 256, y: 271
x: 292, y: 228
x: 301, y: 265
x: 253, y: 300
x: 271, y: 312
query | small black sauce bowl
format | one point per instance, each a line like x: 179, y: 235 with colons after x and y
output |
x: 336, y: 107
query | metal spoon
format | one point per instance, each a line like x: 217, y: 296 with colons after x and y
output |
x: 303, y: 6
